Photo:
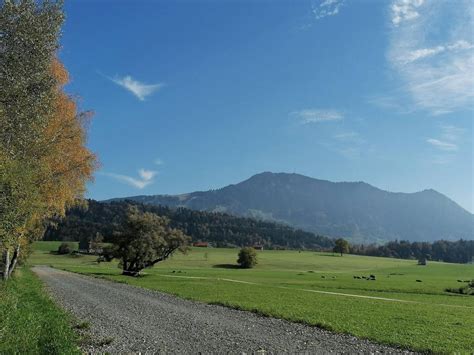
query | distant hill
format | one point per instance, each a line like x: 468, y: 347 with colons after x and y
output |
x: 355, y: 210
x: 220, y: 229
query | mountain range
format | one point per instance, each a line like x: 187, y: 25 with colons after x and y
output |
x: 353, y: 210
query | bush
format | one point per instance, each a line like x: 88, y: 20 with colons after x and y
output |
x: 466, y: 290
x: 107, y: 255
x: 64, y: 248
x: 247, y: 258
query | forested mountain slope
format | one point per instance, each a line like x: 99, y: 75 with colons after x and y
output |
x: 355, y: 210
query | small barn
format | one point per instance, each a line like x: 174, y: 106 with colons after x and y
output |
x: 201, y: 244
x: 258, y: 247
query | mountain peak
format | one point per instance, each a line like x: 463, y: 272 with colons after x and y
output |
x: 355, y: 210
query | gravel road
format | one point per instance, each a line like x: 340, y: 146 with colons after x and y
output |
x: 128, y: 319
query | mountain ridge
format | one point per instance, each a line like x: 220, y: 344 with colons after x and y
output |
x: 355, y: 210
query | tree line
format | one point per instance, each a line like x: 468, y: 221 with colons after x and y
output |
x: 461, y: 251
x: 94, y: 218
x: 220, y: 229
x: 44, y: 163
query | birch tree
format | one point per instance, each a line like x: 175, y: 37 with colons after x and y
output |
x: 44, y: 163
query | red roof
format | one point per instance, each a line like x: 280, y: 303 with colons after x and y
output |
x: 200, y: 244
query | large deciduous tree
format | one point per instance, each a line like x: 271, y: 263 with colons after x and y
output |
x: 247, y: 258
x: 341, y: 246
x: 44, y: 163
x: 144, y: 240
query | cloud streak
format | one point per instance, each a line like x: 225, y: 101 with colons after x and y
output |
x: 417, y: 54
x: 146, y: 177
x: 442, y: 145
x: 405, y: 10
x: 437, y: 71
x: 447, y: 142
x: 326, y: 8
x: 307, y: 116
x: 349, y: 137
x: 137, y: 88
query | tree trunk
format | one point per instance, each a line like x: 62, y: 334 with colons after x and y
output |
x: 6, y: 264
x: 9, y: 264
x: 16, y: 255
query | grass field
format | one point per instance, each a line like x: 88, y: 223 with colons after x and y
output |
x: 30, y: 323
x: 317, y: 289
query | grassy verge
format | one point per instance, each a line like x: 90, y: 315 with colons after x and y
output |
x: 30, y: 323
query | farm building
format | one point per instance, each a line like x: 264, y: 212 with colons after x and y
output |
x: 201, y: 244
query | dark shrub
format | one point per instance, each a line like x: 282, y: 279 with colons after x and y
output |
x: 247, y: 258
x: 422, y: 261
x: 64, y: 248
x: 108, y: 254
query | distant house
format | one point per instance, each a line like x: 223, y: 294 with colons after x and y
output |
x: 201, y: 244
x: 258, y: 247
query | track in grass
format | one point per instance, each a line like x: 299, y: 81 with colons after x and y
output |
x: 321, y: 292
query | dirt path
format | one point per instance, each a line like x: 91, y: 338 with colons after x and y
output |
x: 124, y: 318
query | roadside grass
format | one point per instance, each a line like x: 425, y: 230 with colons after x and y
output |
x: 30, y: 323
x: 288, y: 284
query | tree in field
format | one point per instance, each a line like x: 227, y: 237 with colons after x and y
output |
x: 144, y: 240
x: 247, y: 258
x: 44, y: 163
x: 341, y: 246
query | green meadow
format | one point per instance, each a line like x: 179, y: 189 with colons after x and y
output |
x: 314, y: 288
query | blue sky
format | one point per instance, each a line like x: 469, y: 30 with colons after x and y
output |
x: 196, y: 95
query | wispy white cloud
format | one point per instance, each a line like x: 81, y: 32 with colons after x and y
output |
x: 405, y: 10
x: 317, y: 115
x: 349, y: 137
x: 442, y: 145
x: 158, y: 161
x: 417, y: 54
x: 431, y: 49
x: 451, y: 133
x: 447, y: 144
x: 146, y: 177
x: 137, y: 88
x: 325, y: 8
